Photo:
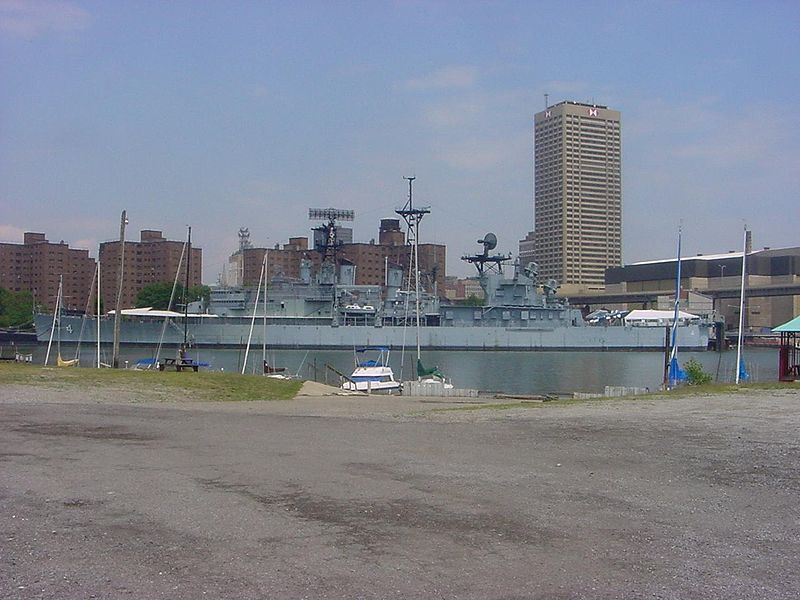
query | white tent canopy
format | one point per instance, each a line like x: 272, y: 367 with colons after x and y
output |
x: 153, y: 312
x: 655, y: 318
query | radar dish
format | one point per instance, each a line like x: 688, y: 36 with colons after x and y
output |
x: 489, y: 241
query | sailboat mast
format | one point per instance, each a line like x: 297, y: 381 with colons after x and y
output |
x: 264, y: 332
x: 186, y: 287
x: 97, y: 312
x: 56, y: 322
x: 676, y: 314
x: 741, y: 309
x: 115, y: 351
x: 255, y: 308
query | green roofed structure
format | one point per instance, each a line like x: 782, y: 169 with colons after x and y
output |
x: 789, y: 353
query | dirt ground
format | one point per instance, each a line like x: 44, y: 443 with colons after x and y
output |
x: 104, y: 494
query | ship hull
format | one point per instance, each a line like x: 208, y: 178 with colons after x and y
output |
x: 233, y: 332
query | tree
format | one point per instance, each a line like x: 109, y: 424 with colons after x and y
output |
x: 199, y: 292
x: 16, y: 308
x: 157, y: 295
x: 695, y: 374
x: 471, y: 300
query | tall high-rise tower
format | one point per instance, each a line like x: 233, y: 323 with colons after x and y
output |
x: 578, y: 193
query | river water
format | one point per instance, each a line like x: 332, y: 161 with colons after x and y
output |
x: 537, y: 372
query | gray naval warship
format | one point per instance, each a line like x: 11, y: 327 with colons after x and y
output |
x: 326, y: 310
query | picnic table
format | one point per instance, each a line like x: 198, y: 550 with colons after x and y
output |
x: 178, y: 364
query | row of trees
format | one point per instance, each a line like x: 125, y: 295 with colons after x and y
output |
x: 16, y: 308
x: 157, y: 295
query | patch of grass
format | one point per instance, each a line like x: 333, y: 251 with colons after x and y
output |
x: 202, y: 386
x: 722, y: 388
x: 682, y: 392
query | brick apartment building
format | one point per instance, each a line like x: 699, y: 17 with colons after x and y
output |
x: 35, y: 266
x: 153, y: 259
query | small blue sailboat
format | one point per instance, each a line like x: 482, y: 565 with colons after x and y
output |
x: 741, y: 369
x: 676, y: 374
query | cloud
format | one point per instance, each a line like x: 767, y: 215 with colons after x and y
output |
x: 706, y: 135
x: 717, y: 163
x: 456, y: 76
x: 31, y: 18
x: 89, y: 244
x: 477, y: 154
x: 11, y: 234
x: 455, y: 113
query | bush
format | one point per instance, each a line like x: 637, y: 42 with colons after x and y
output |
x: 695, y: 374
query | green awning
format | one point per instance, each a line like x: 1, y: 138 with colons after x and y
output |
x: 792, y: 326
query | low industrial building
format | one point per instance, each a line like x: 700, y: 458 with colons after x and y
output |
x: 772, y: 286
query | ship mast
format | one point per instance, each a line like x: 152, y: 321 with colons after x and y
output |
x: 412, y: 216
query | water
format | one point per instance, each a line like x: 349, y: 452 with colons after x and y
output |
x: 507, y: 372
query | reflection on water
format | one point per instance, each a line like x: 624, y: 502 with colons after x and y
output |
x: 509, y: 372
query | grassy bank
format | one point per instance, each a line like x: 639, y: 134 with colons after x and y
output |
x: 153, y: 385
x: 687, y: 391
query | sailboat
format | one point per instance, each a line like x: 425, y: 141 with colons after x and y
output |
x: 412, y: 216
x: 147, y: 363
x: 269, y: 371
x: 57, y: 326
x: 182, y: 360
x: 741, y: 369
x: 94, y: 288
x: 676, y: 374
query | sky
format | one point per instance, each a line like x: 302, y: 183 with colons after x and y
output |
x: 221, y: 115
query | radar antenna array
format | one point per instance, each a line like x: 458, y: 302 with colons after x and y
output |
x: 330, y: 243
x: 486, y: 262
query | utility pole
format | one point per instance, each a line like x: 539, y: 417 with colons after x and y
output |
x: 115, y: 353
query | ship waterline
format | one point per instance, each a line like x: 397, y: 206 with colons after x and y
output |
x: 540, y: 372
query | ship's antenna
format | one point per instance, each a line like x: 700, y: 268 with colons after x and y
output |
x: 410, y: 181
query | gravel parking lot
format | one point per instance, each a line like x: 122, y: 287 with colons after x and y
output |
x: 348, y: 497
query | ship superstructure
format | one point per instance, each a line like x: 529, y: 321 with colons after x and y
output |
x: 326, y: 310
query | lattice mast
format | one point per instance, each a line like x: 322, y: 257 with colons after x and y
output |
x: 412, y: 216
x: 330, y: 244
